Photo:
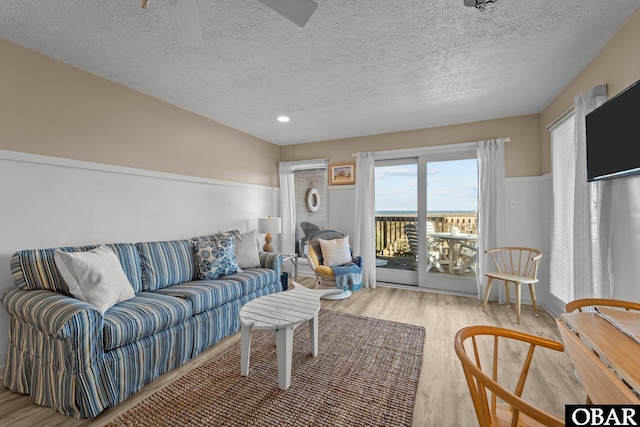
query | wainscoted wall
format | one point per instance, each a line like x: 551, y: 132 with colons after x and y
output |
x: 625, y: 238
x: 50, y: 202
x: 528, y: 225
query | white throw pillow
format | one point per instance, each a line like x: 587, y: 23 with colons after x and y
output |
x: 335, y: 252
x: 95, y: 276
x: 247, y: 250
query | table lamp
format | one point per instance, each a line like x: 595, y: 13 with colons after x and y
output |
x: 269, y: 225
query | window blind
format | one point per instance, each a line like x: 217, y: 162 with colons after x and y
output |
x: 562, y: 142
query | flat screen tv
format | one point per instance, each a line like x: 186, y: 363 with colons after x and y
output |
x: 613, y: 136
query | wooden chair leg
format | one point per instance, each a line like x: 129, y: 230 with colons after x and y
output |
x: 532, y: 289
x: 486, y: 294
x: 518, y: 303
x: 506, y: 288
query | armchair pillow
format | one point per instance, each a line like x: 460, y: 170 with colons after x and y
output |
x: 335, y: 251
x: 95, y: 276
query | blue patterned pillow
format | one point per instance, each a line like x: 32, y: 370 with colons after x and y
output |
x: 215, y: 259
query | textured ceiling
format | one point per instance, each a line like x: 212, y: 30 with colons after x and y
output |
x: 359, y: 67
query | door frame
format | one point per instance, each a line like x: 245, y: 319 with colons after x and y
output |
x: 424, y: 155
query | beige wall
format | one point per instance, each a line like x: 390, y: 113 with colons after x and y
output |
x: 53, y: 109
x: 617, y: 65
x: 522, y: 153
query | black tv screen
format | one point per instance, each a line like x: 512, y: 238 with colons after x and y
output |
x: 613, y: 135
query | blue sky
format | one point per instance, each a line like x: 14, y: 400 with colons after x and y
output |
x: 451, y: 186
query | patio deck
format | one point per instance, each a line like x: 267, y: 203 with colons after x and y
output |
x: 393, y: 246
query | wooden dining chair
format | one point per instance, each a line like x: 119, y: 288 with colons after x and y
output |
x: 517, y: 265
x: 515, y: 411
x: 583, y: 303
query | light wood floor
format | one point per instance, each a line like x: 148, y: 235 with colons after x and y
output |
x: 442, y: 398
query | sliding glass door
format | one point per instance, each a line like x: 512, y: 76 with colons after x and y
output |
x: 396, y: 212
x: 426, y: 220
x: 451, y: 225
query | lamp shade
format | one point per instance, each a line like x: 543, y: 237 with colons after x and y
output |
x: 270, y: 225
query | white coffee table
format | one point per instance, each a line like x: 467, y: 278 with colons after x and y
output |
x: 281, y: 313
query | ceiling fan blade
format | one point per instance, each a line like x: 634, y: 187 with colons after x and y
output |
x: 297, y: 11
x: 185, y: 23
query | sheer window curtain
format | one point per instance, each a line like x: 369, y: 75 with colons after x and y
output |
x: 589, y: 242
x: 491, y: 205
x: 287, y: 208
x: 364, y: 242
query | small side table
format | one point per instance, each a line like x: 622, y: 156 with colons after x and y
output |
x: 294, y: 259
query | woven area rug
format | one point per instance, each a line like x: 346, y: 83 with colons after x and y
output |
x: 366, y: 374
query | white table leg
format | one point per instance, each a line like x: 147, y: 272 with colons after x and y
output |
x: 313, y: 334
x: 245, y: 348
x: 284, y: 349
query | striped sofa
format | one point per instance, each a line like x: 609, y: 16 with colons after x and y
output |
x: 65, y: 354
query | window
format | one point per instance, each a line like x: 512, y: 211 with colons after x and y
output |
x: 577, y: 257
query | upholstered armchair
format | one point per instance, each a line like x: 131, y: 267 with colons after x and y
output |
x: 333, y: 263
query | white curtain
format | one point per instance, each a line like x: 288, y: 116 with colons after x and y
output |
x: 491, y: 206
x: 287, y: 208
x: 588, y: 244
x: 364, y: 243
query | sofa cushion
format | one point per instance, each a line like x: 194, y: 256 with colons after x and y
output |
x: 166, y: 263
x: 95, y: 276
x: 143, y: 315
x: 200, y: 239
x: 253, y: 279
x: 36, y: 268
x: 216, y: 258
x: 130, y: 261
x: 223, y: 234
x: 206, y: 294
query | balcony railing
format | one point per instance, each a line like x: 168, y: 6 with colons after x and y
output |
x: 391, y: 240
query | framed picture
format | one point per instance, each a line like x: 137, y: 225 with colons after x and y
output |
x: 344, y: 173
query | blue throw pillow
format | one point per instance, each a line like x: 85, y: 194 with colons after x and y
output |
x: 215, y: 259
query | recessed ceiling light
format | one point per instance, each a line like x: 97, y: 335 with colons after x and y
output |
x: 283, y: 119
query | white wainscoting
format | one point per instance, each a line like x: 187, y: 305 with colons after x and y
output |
x: 528, y: 224
x: 342, y: 209
x: 50, y: 202
x: 625, y: 238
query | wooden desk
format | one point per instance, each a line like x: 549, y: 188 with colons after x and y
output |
x: 607, y: 360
